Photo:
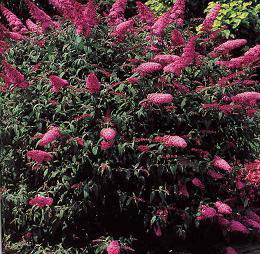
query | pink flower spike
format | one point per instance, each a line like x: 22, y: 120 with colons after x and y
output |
x: 145, y: 14
x: 57, y: 83
x: 116, y: 13
x: 157, y: 230
x: 40, y: 16
x: 113, y: 247
x: 50, y: 136
x: 236, y: 226
x: 216, y: 176
x: 92, y: 83
x: 249, y: 98
x: 165, y: 59
x: 227, y: 46
x: 174, y: 141
x: 221, y: 164
x: 206, y: 212
x: 148, y: 67
x: 159, y: 98
x: 41, y: 201
x: 177, y: 38
x: 33, y: 27
x: 230, y: 250
x: 210, y: 18
x: 108, y: 134
x: 223, y: 208
x: 252, y: 215
x: 197, y: 182
x: 39, y: 156
x: 14, y: 22
x: 105, y: 145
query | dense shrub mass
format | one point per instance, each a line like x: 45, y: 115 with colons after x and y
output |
x: 126, y: 135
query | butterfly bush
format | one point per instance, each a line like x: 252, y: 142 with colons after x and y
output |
x: 125, y: 134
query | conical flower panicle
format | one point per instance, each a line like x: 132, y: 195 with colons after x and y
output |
x: 197, y: 182
x: 145, y: 14
x: 50, y: 136
x: 113, y: 247
x: 165, y: 59
x: 57, y: 83
x: 90, y: 14
x: 177, y: 38
x: 92, y: 83
x: 14, y: 76
x: 223, y: 208
x: 148, y: 67
x: 41, y: 17
x: 177, y: 12
x: 39, y: 156
x: 185, y: 60
x: 33, y: 27
x: 227, y: 46
x: 160, y: 25
x: 236, y: 226
x: 159, y: 98
x: 248, y: 98
x: 121, y: 29
x: 221, y: 164
x: 206, y: 212
x: 41, y: 201
x: 108, y: 134
x: 210, y: 18
x: 117, y: 13
x: 14, y: 22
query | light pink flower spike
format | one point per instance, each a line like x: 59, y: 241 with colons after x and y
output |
x: 223, y: 208
x: 113, y: 247
x: 41, y: 201
x: 221, y: 164
x: 108, y: 134
x: 57, y: 83
x: 50, y: 136
x: 92, y: 83
x: 39, y: 156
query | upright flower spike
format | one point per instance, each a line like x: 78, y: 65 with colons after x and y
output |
x: 57, y: 83
x: 247, y: 98
x: 250, y: 57
x: 227, y: 46
x: 117, y: 13
x: 148, y: 67
x: 108, y: 134
x: 39, y: 156
x: 197, y: 182
x: 40, y: 16
x: 51, y: 135
x: 160, y: 25
x: 14, y: 76
x: 223, y: 208
x: 33, y: 27
x: 177, y: 12
x: 121, y: 29
x: 185, y: 60
x: 41, y: 201
x: 90, y: 14
x: 236, y: 226
x: 145, y: 14
x: 113, y: 247
x: 206, y: 212
x: 14, y: 22
x: 221, y: 164
x: 159, y: 98
x: 92, y: 83
x: 177, y: 38
x: 210, y: 18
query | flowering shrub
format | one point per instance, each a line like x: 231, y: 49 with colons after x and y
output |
x: 126, y: 137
